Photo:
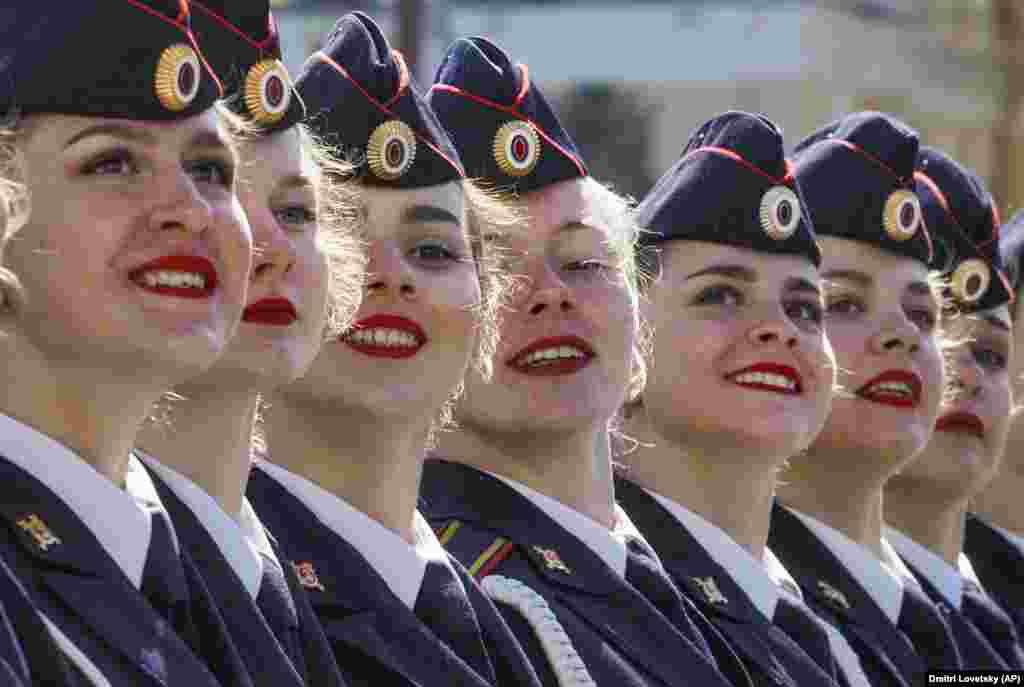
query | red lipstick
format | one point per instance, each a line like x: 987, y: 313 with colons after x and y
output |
x: 961, y: 422
x: 273, y: 311
x: 558, y: 355
x: 183, y: 276
x: 781, y: 379
x: 898, y: 388
x: 386, y: 336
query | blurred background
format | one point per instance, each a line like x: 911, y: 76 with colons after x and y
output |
x: 631, y: 80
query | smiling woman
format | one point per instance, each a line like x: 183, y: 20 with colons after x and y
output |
x: 132, y: 265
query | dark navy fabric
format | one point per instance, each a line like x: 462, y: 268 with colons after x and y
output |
x: 235, y: 35
x: 995, y: 625
x: 886, y: 653
x: 82, y: 590
x: 376, y: 638
x: 95, y: 59
x: 477, y: 90
x: 715, y: 191
x: 1011, y: 247
x: 847, y: 171
x: 13, y: 664
x: 620, y: 635
x: 999, y: 564
x: 963, y: 223
x: 771, y: 657
x: 260, y: 650
x: 975, y: 648
x: 356, y: 84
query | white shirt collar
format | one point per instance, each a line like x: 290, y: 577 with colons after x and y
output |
x: 966, y: 569
x: 885, y: 589
x: 603, y: 542
x: 779, y: 575
x: 402, y: 566
x: 741, y: 566
x: 240, y: 553
x: 120, y: 523
x: 943, y: 576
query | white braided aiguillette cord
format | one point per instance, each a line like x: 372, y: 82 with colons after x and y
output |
x: 570, y: 671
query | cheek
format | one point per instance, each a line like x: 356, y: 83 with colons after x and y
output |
x: 931, y: 367
x: 234, y: 240
x: 452, y: 301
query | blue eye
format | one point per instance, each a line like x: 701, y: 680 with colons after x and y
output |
x: 117, y: 162
x: 590, y: 265
x: 433, y: 251
x: 924, y: 318
x: 989, y: 359
x: 295, y: 215
x: 844, y: 306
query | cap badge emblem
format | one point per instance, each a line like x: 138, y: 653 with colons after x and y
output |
x: 177, y: 77
x: 902, y: 215
x: 780, y: 212
x: 391, y: 150
x: 267, y: 91
x: 516, y: 148
x: 971, y: 281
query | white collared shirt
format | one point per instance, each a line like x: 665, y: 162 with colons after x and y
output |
x: 238, y: 546
x: 966, y: 569
x: 402, y: 566
x: 846, y: 658
x: 118, y: 520
x: 882, y: 584
x: 748, y: 574
x: 603, y: 542
x: 943, y: 576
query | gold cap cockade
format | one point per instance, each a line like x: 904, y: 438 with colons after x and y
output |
x: 391, y: 149
x: 516, y: 148
x: 780, y: 212
x: 178, y: 73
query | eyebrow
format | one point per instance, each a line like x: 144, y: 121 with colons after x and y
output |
x: 114, y: 130
x: 861, y: 279
x: 574, y: 226
x: 739, y: 272
x: 210, y: 139
x: 294, y: 181
x: 425, y: 214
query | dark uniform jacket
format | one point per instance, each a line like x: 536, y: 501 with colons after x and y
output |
x: 377, y: 639
x: 892, y: 654
x: 621, y: 637
x: 999, y: 564
x: 771, y: 656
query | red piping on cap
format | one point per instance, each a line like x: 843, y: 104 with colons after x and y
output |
x: 525, y: 74
x: 180, y: 24
x: 324, y: 57
x: 258, y: 45
x: 736, y: 157
x: 515, y: 113
x: 403, y: 78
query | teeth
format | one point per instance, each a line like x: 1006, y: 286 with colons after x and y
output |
x: 545, y: 355
x: 899, y: 388
x: 767, y: 379
x: 377, y: 336
x: 175, y: 279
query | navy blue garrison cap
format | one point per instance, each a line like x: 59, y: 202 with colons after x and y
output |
x: 124, y: 59
x: 732, y: 185
x: 963, y: 224
x: 240, y: 41
x: 857, y: 177
x: 504, y: 129
x: 359, y: 97
x: 1011, y: 247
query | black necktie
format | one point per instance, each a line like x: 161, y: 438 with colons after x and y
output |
x: 798, y: 625
x: 927, y: 630
x: 442, y: 606
x: 647, y: 577
x: 163, y: 580
x: 278, y: 608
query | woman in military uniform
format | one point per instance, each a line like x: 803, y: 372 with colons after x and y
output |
x: 926, y: 503
x: 881, y: 317
x: 132, y: 266
x: 345, y: 443
x: 523, y: 496
x: 305, y: 251
x: 740, y: 379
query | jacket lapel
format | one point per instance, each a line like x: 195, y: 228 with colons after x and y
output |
x: 67, y: 559
x: 576, y: 576
x: 1000, y: 565
x: 829, y: 588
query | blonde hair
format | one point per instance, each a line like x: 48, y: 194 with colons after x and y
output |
x: 15, y: 207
